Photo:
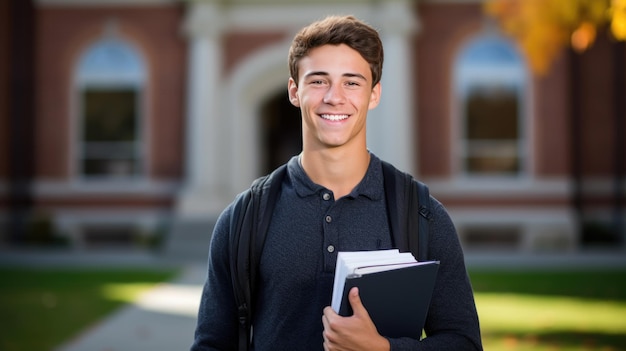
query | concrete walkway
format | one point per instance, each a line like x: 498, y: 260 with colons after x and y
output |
x: 162, y: 319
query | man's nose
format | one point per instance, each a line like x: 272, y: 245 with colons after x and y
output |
x: 334, y: 95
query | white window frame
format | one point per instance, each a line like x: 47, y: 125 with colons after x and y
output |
x: 108, y: 77
x: 513, y: 75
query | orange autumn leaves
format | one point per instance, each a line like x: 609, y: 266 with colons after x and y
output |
x: 544, y: 27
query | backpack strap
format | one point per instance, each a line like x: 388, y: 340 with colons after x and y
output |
x: 423, y: 231
x: 240, y: 222
x: 405, y: 197
x: 265, y: 192
x: 249, y: 223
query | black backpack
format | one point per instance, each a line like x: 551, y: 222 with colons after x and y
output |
x: 253, y: 212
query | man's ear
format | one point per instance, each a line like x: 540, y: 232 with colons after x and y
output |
x: 292, y: 88
x: 375, y: 96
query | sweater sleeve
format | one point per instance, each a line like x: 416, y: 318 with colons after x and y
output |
x: 452, y: 321
x: 216, y: 328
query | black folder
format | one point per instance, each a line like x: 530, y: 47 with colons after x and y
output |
x: 397, y: 300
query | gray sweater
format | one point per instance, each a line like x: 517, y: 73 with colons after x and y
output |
x: 297, y: 266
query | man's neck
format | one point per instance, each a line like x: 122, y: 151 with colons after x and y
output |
x: 337, y: 170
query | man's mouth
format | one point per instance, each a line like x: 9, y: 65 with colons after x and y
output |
x: 334, y: 118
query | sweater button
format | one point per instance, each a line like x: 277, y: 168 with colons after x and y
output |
x: 328, y: 219
x: 326, y: 196
x: 330, y: 248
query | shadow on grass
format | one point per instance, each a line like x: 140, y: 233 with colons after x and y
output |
x: 557, y: 340
x: 605, y: 284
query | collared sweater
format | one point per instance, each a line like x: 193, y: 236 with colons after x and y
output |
x: 308, y: 228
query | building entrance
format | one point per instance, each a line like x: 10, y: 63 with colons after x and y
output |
x: 280, y: 131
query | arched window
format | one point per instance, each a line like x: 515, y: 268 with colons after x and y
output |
x: 490, y: 86
x: 110, y: 80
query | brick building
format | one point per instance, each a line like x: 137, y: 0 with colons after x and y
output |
x: 127, y: 121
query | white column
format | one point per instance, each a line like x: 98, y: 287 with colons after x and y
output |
x: 391, y: 130
x: 200, y: 196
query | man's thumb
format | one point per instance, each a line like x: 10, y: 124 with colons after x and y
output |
x: 355, y: 302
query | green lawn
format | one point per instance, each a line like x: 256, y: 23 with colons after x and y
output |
x: 519, y: 310
x: 541, y: 311
x: 42, y: 308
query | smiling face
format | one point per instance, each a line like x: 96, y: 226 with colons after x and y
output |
x: 334, y: 94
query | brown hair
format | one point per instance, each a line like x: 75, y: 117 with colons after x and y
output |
x: 336, y: 30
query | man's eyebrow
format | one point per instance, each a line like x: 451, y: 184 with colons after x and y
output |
x: 316, y: 73
x: 323, y: 73
x: 355, y: 75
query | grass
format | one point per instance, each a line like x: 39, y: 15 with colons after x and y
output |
x: 518, y: 310
x: 541, y: 311
x: 42, y: 308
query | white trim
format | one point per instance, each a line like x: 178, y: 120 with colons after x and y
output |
x: 204, y: 125
x: 390, y: 126
x: 71, y: 223
x: 61, y: 189
x: 95, y: 3
x: 256, y: 79
x: 292, y: 15
x: 540, y: 228
x: 529, y: 116
x: 494, y: 216
x: 212, y: 16
x: 200, y: 80
x: 500, y: 187
x: 143, y: 218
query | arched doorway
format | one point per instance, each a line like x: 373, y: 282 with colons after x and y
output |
x: 280, y: 131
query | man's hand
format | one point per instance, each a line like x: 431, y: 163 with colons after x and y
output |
x: 354, y: 333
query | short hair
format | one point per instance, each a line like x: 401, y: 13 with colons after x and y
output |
x: 336, y: 30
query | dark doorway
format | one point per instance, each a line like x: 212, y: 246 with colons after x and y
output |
x: 281, y: 131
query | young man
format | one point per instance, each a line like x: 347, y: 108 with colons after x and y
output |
x: 332, y: 200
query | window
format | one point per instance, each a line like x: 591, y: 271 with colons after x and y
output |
x: 490, y: 89
x: 110, y: 82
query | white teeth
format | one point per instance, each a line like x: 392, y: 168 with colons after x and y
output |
x: 334, y: 117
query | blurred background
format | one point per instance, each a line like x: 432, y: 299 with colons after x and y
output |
x: 126, y: 126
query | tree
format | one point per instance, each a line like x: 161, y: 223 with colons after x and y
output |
x: 544, y: 27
